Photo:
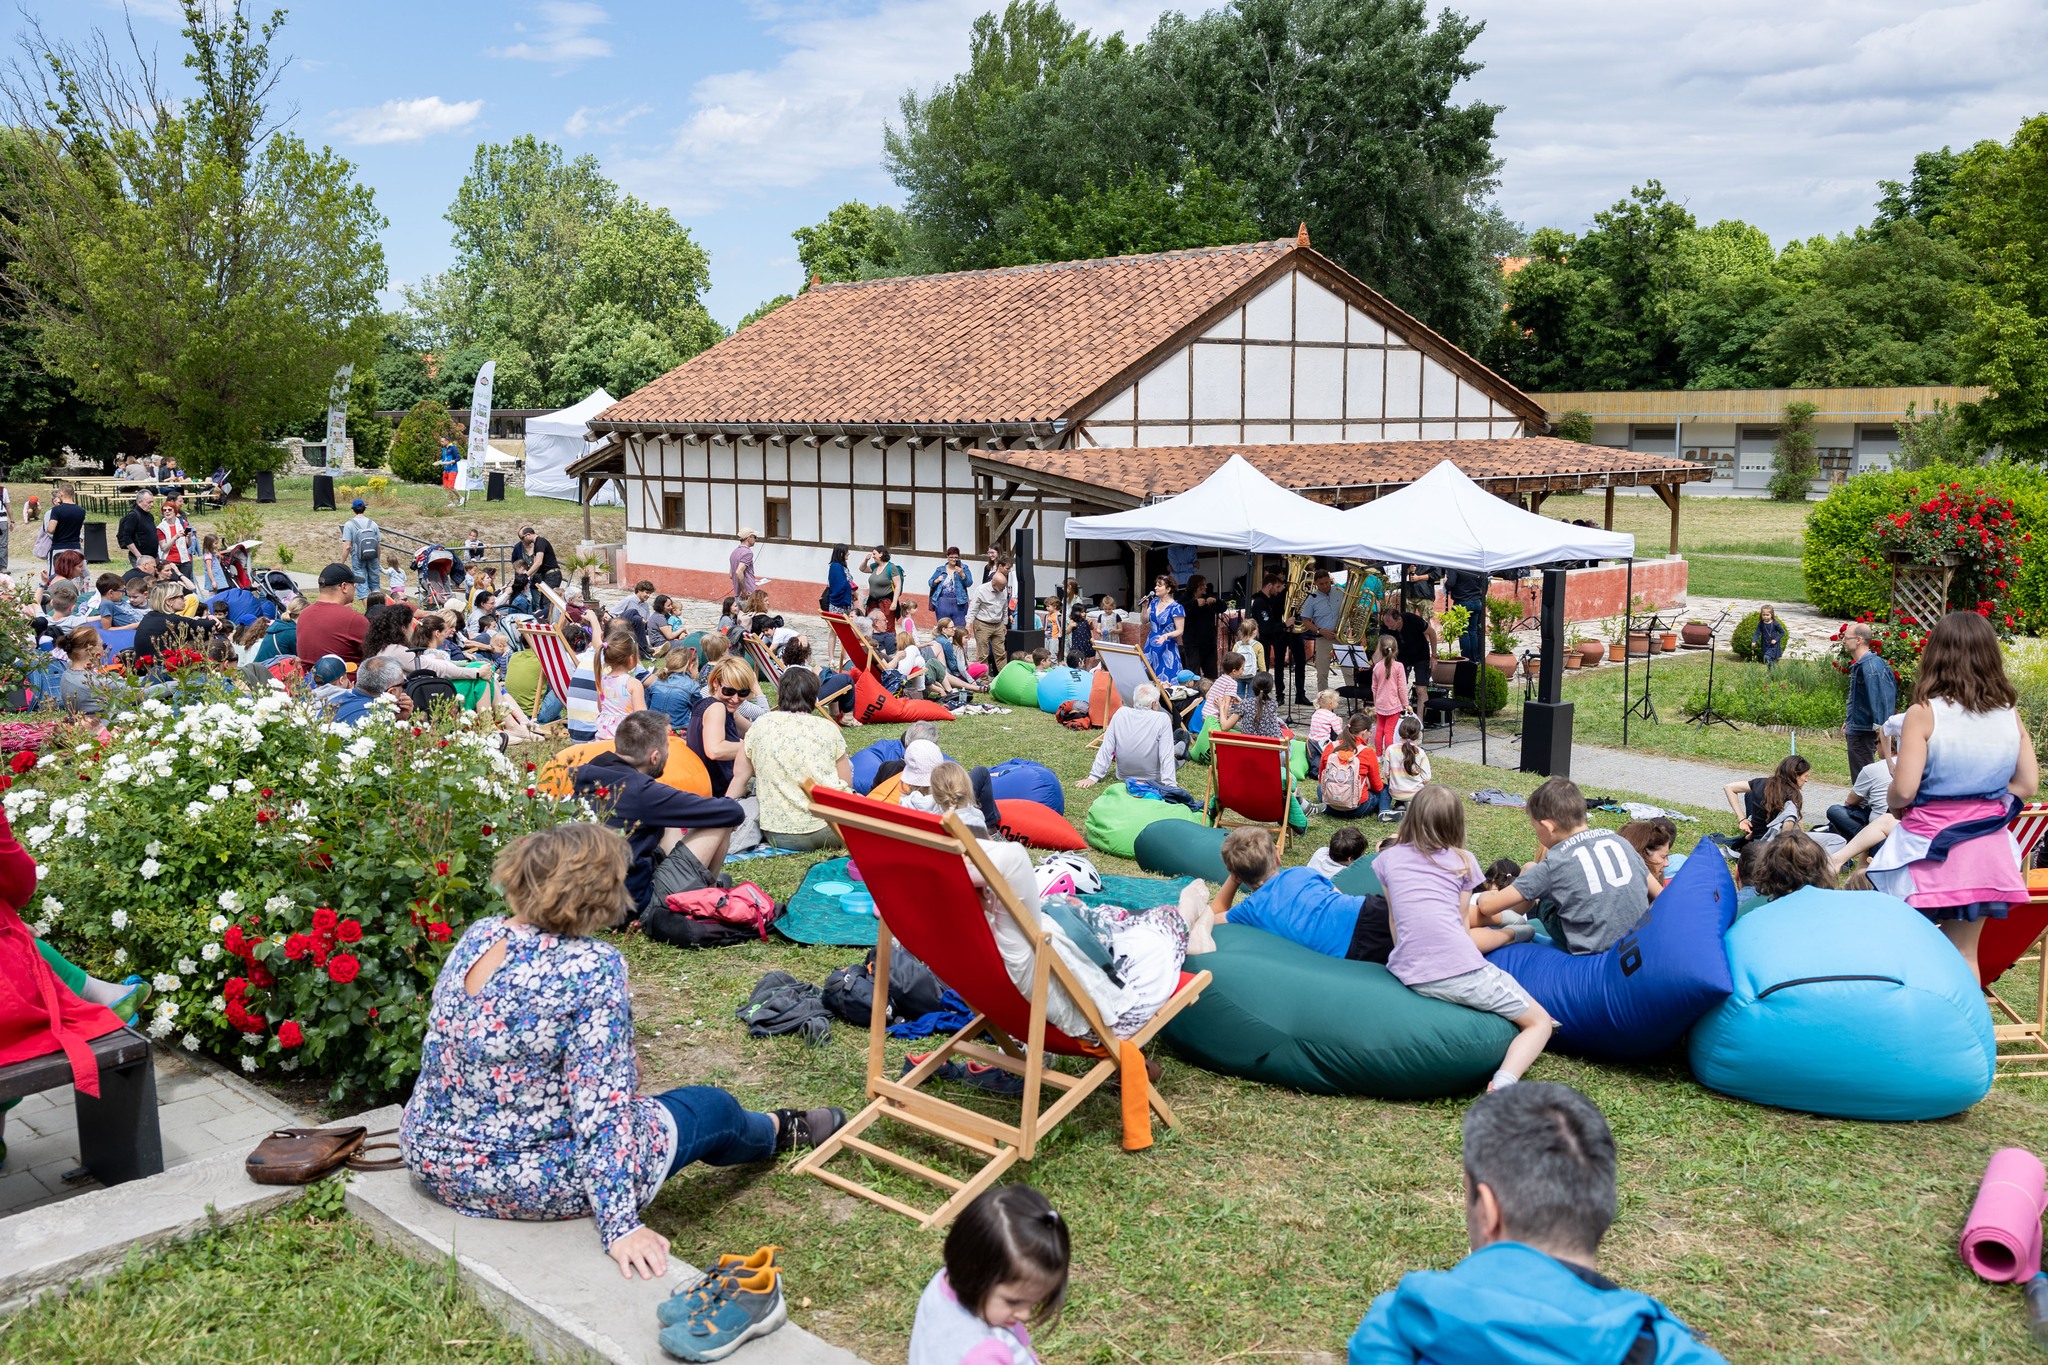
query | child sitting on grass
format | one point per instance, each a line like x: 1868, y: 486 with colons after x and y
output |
x: 1501, y: 872
x: 1789, y: 862
x: 1407, y: 766
x: 1006, y: 1272
x: 1346, y: 847
x: 1595, y: 884
x: 1325, y: 725
x: 1352, y: 788
x: 1299, y: 904
x: 1438, y: 947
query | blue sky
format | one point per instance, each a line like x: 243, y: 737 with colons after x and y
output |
x: 752, y: 117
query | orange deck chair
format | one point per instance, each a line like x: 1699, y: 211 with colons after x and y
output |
x: 916, y: 866
x: 2022, y: 934
x: 860, y: 655
x: 1249, y: 776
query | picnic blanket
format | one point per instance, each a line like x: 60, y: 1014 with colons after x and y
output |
x: 814, y: 917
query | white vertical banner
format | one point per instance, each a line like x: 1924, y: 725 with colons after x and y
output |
x: 337, y: 415
x: 480, y: 415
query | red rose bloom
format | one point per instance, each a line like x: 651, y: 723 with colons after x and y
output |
x: 289, y: 1034
x: 260, y: 977
x: 263, y: 817
x: 319, y: 954
x: 438, y: 931
x: 373, y: 1011
x: 487, y: 828
x: 236, y: 988
x: 264, y: 792
x: 324, y: 919
x: 22, y: 761
x: 441, y: 869
x: 297, y: 946
x: 342, y: 968
x: 232, y: 940
x: 349, y: 931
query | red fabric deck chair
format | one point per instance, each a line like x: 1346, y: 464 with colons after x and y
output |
x: 2022, y: 934
x: 556, y: 662
x: 1249, y: 776
x: 763, y: 658
x: 860, y: 655
x: 915, y: 864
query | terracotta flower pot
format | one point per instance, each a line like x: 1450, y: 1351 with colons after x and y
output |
x: 1443, y: 671
x: 1639, y: 643
x: 1591, y: 652
x: 1696, y: 634
x: 1616, y: 653
x: 1532, y: 665
x: 1574, y: 659
x: 1670, y: 641
x: 1504, y: 662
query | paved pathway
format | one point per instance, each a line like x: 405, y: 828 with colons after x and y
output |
x: 203, y: 1112
x: 1600, y: 771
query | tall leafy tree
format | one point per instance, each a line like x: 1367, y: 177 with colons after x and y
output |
x: 189, y: 265
x: 1145, y: 213
x: 856, y: 241
x: 1999, y: 213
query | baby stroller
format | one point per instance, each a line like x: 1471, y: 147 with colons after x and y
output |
x: 234, y: 562
x: 278, y: 589
x: 440, y: 574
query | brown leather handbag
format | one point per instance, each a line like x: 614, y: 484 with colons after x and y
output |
x: 300, y: 1156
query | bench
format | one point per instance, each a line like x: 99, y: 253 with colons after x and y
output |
x: 118, y: 1138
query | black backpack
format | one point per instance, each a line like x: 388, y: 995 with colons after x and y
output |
x: 914, y: 991
x: 430, y: 691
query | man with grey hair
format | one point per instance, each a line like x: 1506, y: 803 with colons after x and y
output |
x: 379, y: 677
x: 1873, y: 695
x: 1139, y: 742
x: 1539, y: 1196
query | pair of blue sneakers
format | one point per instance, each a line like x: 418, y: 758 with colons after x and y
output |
x: 739, y: 1299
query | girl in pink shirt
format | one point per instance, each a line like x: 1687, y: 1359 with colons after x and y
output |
x: 1006, y: 1272
x: 1389, y: 693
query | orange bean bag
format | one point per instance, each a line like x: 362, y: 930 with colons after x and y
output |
x: 685, y: 771
x: 1037, y: 824
x: 872, y: 704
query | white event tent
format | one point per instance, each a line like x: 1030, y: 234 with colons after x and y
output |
x: 1235, y: 508
x: 1446, y: 520
x: 556, y: 441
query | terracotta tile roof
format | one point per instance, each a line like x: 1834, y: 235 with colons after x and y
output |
x: 1351, y: 471
x: 1024, y: 344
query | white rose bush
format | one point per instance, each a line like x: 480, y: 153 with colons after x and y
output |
x: 290, y: 905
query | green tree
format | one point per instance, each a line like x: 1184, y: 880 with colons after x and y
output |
x: 401, y: 369
x: 1925, y: 194
x: 764, y: 310
x: 1793, y: 462
x: 1934, y: 437
x: 855, y: 241
x: 1886, y: 306
x: 191, y: 267
x: 1144, y: 214
x: 416, y: 449
x: 1998, y: 211
x: 1575, y: 425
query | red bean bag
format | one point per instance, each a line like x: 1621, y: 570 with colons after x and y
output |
x: 1038, y: 825
x: 872, y: 704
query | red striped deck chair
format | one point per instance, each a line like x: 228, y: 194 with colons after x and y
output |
x: 916, y: 865
x: 1249, y: 777
x: 763, y: 658
x: 860, y: 655
x: 2007, y: 942
x: 556, y: 662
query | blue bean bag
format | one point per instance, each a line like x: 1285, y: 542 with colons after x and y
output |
x: 1057, y: 685
x: 1849, y: 1004
x: 866, y: 761
x: 1026, y: 779
x: 1640, y: 996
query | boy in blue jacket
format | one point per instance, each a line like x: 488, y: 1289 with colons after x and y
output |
x: 1539, y: 1195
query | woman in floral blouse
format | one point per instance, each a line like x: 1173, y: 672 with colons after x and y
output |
x: 527, y: 1104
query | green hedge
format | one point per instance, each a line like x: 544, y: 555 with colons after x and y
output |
x: 1838, y: 537
x: 1742, y: 644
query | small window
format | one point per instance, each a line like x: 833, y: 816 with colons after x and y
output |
x: 671, y: 511
x: 899, y: 528
x: 778, y: 519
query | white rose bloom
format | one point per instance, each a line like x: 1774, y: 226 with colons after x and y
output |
x: 218, y: 924
x: 195, y: 810
x: 382, y: 771
x: 291, y: 1065
x: 46, y: 761
x: 253, y: 1039
x: 277, y: 905
x: 40, y: 835
x: 186, y: 966
x: 248, y: 1064
x: 150, y: 867
x: 220, y: 1004
x: 119, y: 919
x: 120, y: 957
x: 217, y: 792
x: 209, y: 952
x: 166, y: 983
x: 53, y: 906
x: 191, y: 1042
x: 42, y: 928
x: 153, y: 850
x: 231, y: 901
x: 160, y: 1026
x: 244, y: 785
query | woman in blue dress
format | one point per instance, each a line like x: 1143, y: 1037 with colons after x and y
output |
x: 1165, y: 621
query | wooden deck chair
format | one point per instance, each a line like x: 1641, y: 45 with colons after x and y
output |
x: 556, y: 662
x: 770, y: 668
x: 555, y: 600
x: 2020, y: 937
x: 1249, y: 776
x: 1129, y: 669
x: 854, y: 643
x: 916, y: 865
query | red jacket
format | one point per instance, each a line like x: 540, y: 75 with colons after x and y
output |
x: 38, y: 1015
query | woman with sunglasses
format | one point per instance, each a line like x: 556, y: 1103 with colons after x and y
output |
x: 717, y: 730
x: 165, y: 626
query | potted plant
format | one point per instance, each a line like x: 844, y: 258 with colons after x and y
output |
x: 1616, y: 630
x: 1696, y: 633
x: 1574, y: 657
x: 1591, y: 650
x: 1532, y: 665
x: 1668, y: 641
x: 1450, y: 627
x: 1501, y: 615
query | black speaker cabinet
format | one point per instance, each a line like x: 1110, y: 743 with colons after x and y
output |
x: 95, y: 542
x: 266, y: 488
x: 1547, y: 738
x: 323, y: 491
x: 494, y: 486
x: 1020, y: 643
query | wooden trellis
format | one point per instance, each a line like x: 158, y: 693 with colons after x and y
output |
x: 1919, y: 589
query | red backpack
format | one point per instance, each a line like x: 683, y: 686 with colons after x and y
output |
x: 746, y: 906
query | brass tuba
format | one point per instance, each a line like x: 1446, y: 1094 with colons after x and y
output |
x: 1354, y: 618
x: 1299, y: 580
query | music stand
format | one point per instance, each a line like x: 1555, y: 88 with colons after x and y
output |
x: 1641, y: 706
x: 1708, y: 715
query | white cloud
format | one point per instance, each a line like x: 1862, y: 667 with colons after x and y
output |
x: 563, y: 37
x: 604, y: 118
x: 404, y: 120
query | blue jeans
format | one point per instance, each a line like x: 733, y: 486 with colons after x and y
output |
x: 550, y: 710
x: 712, y: 1128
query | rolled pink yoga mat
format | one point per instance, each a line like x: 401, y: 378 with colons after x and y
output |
x: 2002, y: 1235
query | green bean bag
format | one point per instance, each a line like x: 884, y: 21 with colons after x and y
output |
x: 1116, y: 817
x: 1198, y: 752
x: 1359, y: 879
x: 1297, y: 758
x: 1175, y: 848
x: 1017, y: 684
x: 1287, y: 1015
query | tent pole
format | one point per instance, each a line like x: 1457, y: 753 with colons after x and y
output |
x: 1628, y: 608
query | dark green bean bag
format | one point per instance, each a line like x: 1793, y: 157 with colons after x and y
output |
x: 1287, y: 1015
x: 1175, y: 848
x: 1116, y: 818
x: 1017, y: 684
x: 1359, y: 879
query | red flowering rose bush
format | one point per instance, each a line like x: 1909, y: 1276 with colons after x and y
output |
x: 290, y: 887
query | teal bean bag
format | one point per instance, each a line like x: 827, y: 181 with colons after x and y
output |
x: 1287, y: 1015
x: 1057, y: 685
x: 1017, y: 684
x: 1359, y: 879
x: 1116, y: 817
x: 1175, y: 848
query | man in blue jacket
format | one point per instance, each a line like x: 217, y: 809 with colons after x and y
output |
x: 1873, y: 696
x: 678, y: 840
x: 1539, y: 1195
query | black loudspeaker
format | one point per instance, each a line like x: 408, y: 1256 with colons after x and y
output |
x: 323, y: 492
x: 1550, y: 673
x: 1020, y: 643
x: 266, y: 488
x: 494, y: 486
x: 1021, y: 580
x: 1547, y: 738
x: 96, y: 542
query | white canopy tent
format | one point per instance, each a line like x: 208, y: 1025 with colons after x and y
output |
x: 556, y: 441
x: 1236, y: 508
x: 1445, y: 519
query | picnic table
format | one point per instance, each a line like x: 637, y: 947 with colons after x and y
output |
x: 108, y: 496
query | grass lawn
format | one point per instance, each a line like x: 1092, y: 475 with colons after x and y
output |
x: 1267, y: 1223
x: 268, y: 1289
x: 1764, y: 580
x: 1712, y: 526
